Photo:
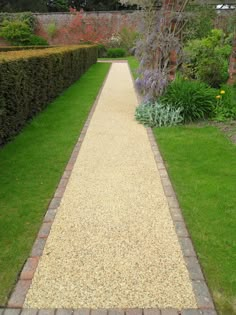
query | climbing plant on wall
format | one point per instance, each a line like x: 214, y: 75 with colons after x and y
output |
x: 159, y: 44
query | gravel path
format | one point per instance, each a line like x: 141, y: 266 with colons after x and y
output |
x: 113, y: 243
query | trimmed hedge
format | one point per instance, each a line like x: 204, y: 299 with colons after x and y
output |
x: 17, y: 48
x: 30, y: 79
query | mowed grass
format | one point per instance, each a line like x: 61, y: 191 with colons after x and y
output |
x: 133, y: 64
x: 202, y: 166
x: 30, y: 169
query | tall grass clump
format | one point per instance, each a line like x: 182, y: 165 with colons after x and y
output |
x: 196, y: 99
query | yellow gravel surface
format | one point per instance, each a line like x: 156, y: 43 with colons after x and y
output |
x: 113, y: 243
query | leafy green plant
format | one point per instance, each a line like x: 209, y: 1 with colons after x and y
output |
x: 20, y: 33
x: 225, y: 108
x: 213, y: 70
x: 128, y: 38
x: 102, y: 51
x: 15, y: 31
x: 158, y: 115
x: 196, y: 99
x: 26, y: 17
x: 51, y: 29
x: 207, y: 59
x: 116, y: 52
x: 35, y: 40
x: 200, y: 22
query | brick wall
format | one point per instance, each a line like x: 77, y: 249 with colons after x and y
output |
x: 106, y: 23
x: 63, y: 19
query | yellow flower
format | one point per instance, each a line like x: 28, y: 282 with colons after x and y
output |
x: 218, y: 96
x: 222, y: 92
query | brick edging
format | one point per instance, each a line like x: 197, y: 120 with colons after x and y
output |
x: 200, y: 288
x: 17, y: 297
x: 202, y: 294
x: 136, y: 311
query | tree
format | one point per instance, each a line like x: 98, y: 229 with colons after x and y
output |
x: 98, y: 5
x: 58, y: 5
x: 3, y: 4
x: 159, y: 44
x: 23, y: 6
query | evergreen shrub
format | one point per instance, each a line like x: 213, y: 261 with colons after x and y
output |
x: 116, y: 53
x: 30, y: 79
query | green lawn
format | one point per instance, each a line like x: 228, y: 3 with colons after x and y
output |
x: 201, y: 162
x: 133, y: 63
x: 31, y: 166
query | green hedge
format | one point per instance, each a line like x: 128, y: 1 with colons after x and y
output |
x: 16, y: 48
x: 30, y: 79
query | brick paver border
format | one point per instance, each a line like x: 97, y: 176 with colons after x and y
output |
x: 15, y: 311
x: 202, y: 294
x: 200, y: 288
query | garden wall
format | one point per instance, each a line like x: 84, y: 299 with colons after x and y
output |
x: 89, y: 26
x: 62, y: 19
x: 30, y: 79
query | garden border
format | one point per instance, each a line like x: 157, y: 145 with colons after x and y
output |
x: 204, y: 301
x: 200, y: 288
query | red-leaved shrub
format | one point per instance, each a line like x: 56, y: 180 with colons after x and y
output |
x: 83, y: 28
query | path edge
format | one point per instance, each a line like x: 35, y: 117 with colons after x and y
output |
x: 15, y: 304
x: 24, y: 280
x: 205, y: 302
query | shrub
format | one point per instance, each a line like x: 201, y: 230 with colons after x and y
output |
x: 225, y: 108
x: 207, y: 59
x: 200, y: 22
x: 30, y: 79
x: 116, y: 53
x: 158, y: 115
x: 35, y: 40
x: 102, y: 51
x: 195, y: 98
x: 114, y: 41
x: 19, y: 33
x: 15, y: 31
x: 128, y: 38
x: 26, y: 17
x: 213, y: 70
x: 58, y: 5
x: 51, y: 29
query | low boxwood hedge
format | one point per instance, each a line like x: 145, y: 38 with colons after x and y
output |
x: 30, y: 79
